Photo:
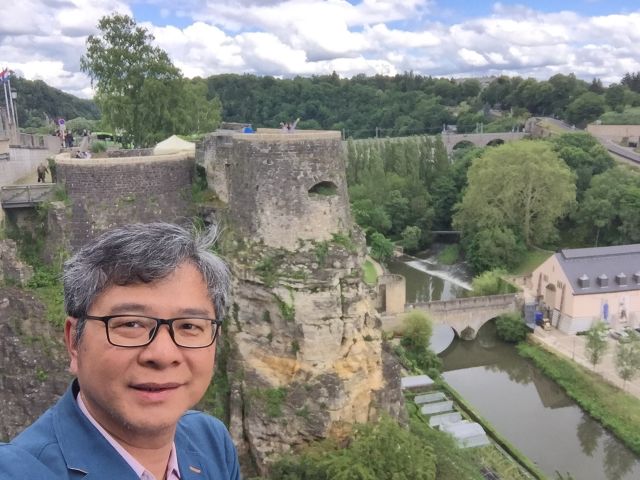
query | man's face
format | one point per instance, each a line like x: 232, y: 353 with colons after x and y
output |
x: 137, y: 393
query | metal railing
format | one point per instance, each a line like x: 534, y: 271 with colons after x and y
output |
x: 19, y: 196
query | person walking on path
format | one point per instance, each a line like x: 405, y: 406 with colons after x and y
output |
x: 42, y: 170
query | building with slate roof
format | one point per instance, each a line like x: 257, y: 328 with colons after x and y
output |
x: 581, y: 286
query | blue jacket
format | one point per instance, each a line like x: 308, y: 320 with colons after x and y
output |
x: 63, y: 444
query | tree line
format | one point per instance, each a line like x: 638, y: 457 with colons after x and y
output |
x: 141, y: 93
x: 506, y: 200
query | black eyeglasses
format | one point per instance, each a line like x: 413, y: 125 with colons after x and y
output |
x: 138, y: 330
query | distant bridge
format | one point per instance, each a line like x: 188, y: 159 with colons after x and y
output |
x: 465, y: 315
x: 454, y: 140
x: 22, y: 196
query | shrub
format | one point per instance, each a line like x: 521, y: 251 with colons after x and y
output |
x: 98, y: 147
x: 490, y: 283
x: 416, y: 331
x: 375, y: 451
x: 510, y: 327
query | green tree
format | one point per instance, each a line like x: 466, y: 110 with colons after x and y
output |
x: 494, y: 247
x: 381, y: 247
x: 411, y: 236
x: 510, y: 327
x: 615, y: 96
x: 596, y: 345
x: 584, y: 109
x: 608, y: 213
x: 196, y: 113
x: 628, y: 358
x: 584, y: 155
x: 136, y: 83
x: 510, y: 187
x: 416, y: 330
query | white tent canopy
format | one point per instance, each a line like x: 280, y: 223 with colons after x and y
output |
x: 174, y: 144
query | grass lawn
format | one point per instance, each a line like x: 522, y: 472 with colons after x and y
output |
x: 531, y: 261
x: 370, y: 275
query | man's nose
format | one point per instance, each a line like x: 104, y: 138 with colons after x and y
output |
x: 162, y: 349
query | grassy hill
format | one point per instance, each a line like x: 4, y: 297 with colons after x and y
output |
x: 38, y: 102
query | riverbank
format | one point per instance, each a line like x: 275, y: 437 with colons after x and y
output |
x: 614, y: 409
x: 572, y: 347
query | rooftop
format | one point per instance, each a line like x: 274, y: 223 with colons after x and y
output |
x: 602, y: 269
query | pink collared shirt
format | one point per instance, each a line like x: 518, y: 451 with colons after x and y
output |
x: 173, y: 472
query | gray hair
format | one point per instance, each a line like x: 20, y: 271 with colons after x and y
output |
x: 141, y: 253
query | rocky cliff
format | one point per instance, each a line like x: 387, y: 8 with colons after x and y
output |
x: 33, y: 361
x: 307, y: 356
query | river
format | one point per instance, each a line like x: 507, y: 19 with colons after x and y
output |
x: 527, y: 408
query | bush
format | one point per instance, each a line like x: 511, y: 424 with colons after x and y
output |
x: 375, y: 451
x: 98, y: 147
x: 416, y: 331
x: 510, y: 327
x: 491, y: 283
x: 414, y: 350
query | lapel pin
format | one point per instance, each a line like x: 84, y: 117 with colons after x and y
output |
x: 194, y: 469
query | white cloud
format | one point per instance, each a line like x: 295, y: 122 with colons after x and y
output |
x: 45, y: 39
x: 472, y: 57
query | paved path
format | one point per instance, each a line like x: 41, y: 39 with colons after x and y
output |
x: 572, y: 347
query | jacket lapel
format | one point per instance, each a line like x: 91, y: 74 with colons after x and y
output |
x: 189, y: 460
x: 86, y: 452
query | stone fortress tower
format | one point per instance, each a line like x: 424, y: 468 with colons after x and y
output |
x: 281, y: 187
x: 307, y: 358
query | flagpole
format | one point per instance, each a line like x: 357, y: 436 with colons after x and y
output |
x: 6, y: 102
x: 13, y: 109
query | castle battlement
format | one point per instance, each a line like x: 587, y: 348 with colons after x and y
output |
x: 280, y: 187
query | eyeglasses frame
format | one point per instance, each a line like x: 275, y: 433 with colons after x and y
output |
x: 159, y: 322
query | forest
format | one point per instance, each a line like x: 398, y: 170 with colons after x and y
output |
x: 505, y: 200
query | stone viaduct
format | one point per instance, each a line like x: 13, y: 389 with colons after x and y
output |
x: 452, y: 140
x: 465, y: 315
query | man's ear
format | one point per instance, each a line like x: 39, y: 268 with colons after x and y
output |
x: 70, y: 341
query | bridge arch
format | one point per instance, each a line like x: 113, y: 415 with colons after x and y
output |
x: 495, y: 142
x: 451, y: 140
x: 463, y: 144
x: 467, y: 315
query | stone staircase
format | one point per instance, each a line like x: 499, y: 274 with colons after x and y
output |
x: 442, y: 413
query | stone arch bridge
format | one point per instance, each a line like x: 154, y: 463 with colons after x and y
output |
x: 452, y: 140
x: 465, y: 315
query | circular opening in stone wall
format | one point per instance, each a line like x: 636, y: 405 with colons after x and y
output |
x: 324, y: 189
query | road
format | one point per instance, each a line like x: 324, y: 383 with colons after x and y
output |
x: 625, y: 153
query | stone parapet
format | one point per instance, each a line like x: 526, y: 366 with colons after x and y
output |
x: 105, y: 192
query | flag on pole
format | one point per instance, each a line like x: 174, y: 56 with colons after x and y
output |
x: 5, y: 75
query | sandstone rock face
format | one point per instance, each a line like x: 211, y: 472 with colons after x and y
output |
x: 308, y: 359
x: 33, y: 362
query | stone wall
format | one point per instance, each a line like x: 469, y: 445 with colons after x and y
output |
x: 114, y: 191
x: 392, y: 292
x: 137, y: 152
x: 281, y: 187
x: 22, y: 162
x: 214, y: 153
x: 616, y: 133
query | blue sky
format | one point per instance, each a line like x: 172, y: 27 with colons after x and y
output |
x: 455, y: 38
